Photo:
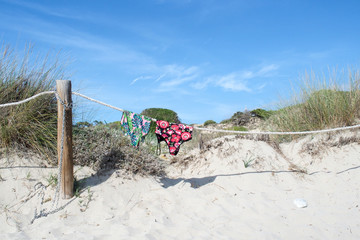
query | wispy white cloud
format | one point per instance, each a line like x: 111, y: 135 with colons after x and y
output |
x: 46, y: 31
x: 140, y: 78
x: 105, y: 51
x: 267, y: 69
x: 174, y: 75
x: 96, y: 47
x: 62, y: 13
x: 170, y: 76
x: 160, y: 77
x: 262, y: 86
x: 238, y: 81
x: 177, y: 75
x: 233, y: 81
x: 167, y: 77
x: 202, y: 84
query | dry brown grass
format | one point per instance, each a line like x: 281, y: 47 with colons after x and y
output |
x: 105, y: 148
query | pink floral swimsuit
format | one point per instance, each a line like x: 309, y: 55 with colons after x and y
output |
x: 173, y: 134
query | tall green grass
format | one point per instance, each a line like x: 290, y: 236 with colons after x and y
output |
x: 33, y: 124
x: 320, y: 103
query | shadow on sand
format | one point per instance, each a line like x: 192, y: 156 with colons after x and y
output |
x: 95, y: 179
x: 199, y: 182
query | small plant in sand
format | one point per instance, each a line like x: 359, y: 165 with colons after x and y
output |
x: 78, y: 186
x: 248, y: 160
x: 52, y: 180
x: 28, y: 175
x: 84, y: 201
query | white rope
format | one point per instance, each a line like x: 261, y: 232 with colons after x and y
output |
x: 93, y: 100
x: 198, y: 128
x: 102, y: 103
x: 26, y: 100
x: 279, y: 133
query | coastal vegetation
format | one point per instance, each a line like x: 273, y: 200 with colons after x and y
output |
x: 318, y: 104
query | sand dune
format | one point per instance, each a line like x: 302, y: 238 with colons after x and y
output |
x: 207, y: 194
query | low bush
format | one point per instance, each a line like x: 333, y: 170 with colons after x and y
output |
x: 209, y: 122
x: 241, y: 118
x: 262, y: 113
x: 102, y: 148
x: 226, y: 121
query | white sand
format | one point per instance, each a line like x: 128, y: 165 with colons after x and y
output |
x: 213, y: 197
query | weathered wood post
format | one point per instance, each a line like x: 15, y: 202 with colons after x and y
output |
x: 201, y: 143
x: 67, y: 173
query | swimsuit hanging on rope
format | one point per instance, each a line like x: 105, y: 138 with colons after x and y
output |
x: 173, y: 134
x: 136, y: 125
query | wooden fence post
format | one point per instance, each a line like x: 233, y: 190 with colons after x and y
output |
x: 67, y: 172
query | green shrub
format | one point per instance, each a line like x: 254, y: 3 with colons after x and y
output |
x: 114, y: 125
x: 226, y: 121
x: 241, y: 118
x: 261, y: 113
x: 209, y: 122
x: 82, y: 124
x: 160, y: 114
x: 33, y: 124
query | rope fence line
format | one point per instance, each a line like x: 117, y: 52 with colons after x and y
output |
x: 198, y: 128
x: 231, y: 131
x: 280, y: 133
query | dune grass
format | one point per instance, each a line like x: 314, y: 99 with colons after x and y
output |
x: 322, y: 102
x: 33, y: 124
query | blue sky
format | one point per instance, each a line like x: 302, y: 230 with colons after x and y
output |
x: 204, y: 59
